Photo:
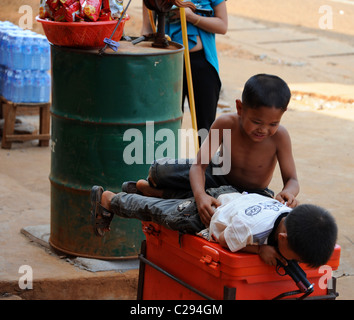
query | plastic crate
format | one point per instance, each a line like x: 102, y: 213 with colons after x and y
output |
x: 189, y: 267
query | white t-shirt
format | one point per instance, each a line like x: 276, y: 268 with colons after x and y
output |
x: 246, y: 219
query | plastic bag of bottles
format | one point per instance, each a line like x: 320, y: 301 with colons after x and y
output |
x: 23, y: 49
x: 27, y: 86
x: 24, y: 65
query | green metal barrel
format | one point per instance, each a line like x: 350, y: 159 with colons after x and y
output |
x: 112, y: 115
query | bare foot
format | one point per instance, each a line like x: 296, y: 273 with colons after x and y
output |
x: 144, y: 187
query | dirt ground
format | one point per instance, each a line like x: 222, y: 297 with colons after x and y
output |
x: 320, y: 118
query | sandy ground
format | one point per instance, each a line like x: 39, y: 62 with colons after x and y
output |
x: 320, y: 117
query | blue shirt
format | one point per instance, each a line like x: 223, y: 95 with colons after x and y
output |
x: 208, y: 39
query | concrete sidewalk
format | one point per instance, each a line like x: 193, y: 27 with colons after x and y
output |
x: 304, y: 60
x: 309, y: 62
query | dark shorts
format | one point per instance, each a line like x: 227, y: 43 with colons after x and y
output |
x: 172, y: 175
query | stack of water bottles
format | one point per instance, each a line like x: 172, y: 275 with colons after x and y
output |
x: 24, y: 65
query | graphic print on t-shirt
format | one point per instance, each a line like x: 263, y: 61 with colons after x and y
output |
x: 268, y: 205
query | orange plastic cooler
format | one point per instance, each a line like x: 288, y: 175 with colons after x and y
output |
x: 174, y: 266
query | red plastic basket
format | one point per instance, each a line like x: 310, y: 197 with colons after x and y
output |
x: 81, y: 34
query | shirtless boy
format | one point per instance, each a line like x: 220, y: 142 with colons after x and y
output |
x: 258, y: 142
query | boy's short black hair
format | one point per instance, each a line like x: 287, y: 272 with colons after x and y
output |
x: 312, y: 233
x: 264, y: 90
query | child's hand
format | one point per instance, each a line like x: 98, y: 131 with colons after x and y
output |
x: 270, y: 255
x: 288, y: 198
x: 206, y: 206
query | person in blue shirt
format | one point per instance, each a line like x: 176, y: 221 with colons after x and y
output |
x: 201, y: 31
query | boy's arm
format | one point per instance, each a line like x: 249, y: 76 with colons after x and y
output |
x: 288, y: 170
x: 205, y: 203
x: 267, y: 253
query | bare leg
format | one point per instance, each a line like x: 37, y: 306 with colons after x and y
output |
x: 144, y: 187
x: 106, y: 199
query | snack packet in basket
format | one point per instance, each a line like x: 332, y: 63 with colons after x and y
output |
x: 68, y: 3
x: 72, y: 11
x: 90, y: 9
x: 78, y: 17
x: 44, y: 10
x: 116, y: 7
x: 53, y: 4
x: 105, y: 14
x: 59, y: 14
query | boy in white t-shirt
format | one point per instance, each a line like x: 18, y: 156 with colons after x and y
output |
x: 243, y: 222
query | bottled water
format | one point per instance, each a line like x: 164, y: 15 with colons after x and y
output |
x: 9, y: 42
x: 45, y: 56
x: 15, y: 50
x: 2, y: 44
x: 41, y: 86
x: 2, y: 79
x: 17, y: 86
x: 5, y: 87
x: 4, y: 32
x: 27, y: 53
x: 8, y: 80
x: 44, y: 87
x: 24, y: 50
x: 36, y: 53
x: 35, y: 86
x: 4, y: 49
x: 24, y: 65
x: 28, y: 86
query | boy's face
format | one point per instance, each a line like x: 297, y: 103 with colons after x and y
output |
x: 259, y: 123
